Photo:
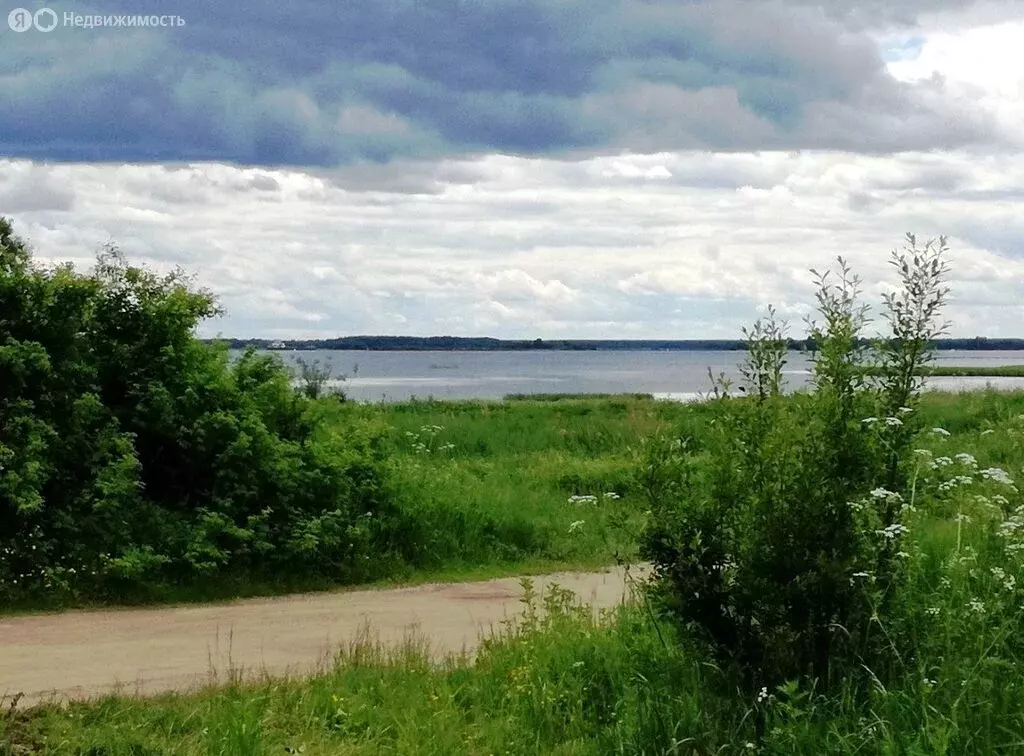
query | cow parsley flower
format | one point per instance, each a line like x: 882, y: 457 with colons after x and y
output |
x: 997, y: 474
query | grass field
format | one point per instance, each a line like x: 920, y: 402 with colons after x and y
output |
x: 563, y: 682
x: 519, y: 482
x: 969, y: 371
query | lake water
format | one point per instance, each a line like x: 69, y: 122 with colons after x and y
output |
x: 394, y: 376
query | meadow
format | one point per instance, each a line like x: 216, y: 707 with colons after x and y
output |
x: 562, y: 681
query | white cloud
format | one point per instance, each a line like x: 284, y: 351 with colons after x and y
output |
x: 546, y: 248
x: 982, y: 67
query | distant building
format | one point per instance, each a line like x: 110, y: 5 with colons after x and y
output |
x: 275, y: 345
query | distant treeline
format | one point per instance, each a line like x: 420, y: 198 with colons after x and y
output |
x: 484, y: 344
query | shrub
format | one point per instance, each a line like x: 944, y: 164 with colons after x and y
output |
x: 777, y: 544
x: 132, y: 454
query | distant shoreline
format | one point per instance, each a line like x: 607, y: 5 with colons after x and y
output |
x: 484, y: 344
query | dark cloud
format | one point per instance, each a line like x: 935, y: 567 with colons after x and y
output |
x: 316, y: 83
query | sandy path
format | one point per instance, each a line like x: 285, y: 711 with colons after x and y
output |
x: 81, y: 654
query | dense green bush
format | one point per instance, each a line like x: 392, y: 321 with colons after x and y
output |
x: 778, y: 544
x: 132, y: 454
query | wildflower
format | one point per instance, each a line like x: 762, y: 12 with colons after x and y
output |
x: 905, y: 410
x: 893, y: 422
x: 575, y: 526
x: 943, y: 461
x: 903, y: 555
x: 869, y: 420
x: 926, y: 456
x: 1000, y: 500
x: 962, y: 518
x: 762, y: 695
x: 585, y: 499
x: 987, y: 432
x: 941, y: 432
x: 932, y: 611
x: 611, y: 495
x: 959, y: 480
x: 883, y: 493
x: 861, y: 575
x: 976, y: 606
x: 891, y: 532
x: 997, y: 474
x: 966, y: 459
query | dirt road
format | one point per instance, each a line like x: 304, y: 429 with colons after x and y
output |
x: 83, y: 654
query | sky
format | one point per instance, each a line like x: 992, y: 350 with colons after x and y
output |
x: 523, y: 168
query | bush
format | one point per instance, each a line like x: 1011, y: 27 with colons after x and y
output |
x: 132, y: 454
x: 777, y: 545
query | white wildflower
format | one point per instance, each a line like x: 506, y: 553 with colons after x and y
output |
x: 976, y: 606
x: 575, y: 526
x: 884, y: 493
x: 997, y: 474
x: 893, y: 422
x: 941, y: 432
x: 891, y: 532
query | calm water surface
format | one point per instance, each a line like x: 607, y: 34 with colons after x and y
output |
x: 394, y: 376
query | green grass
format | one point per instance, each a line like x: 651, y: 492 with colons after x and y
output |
x: 972, y: 371
x: 569, y: 397
x: 563, y: 682
x: 490, y: 483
